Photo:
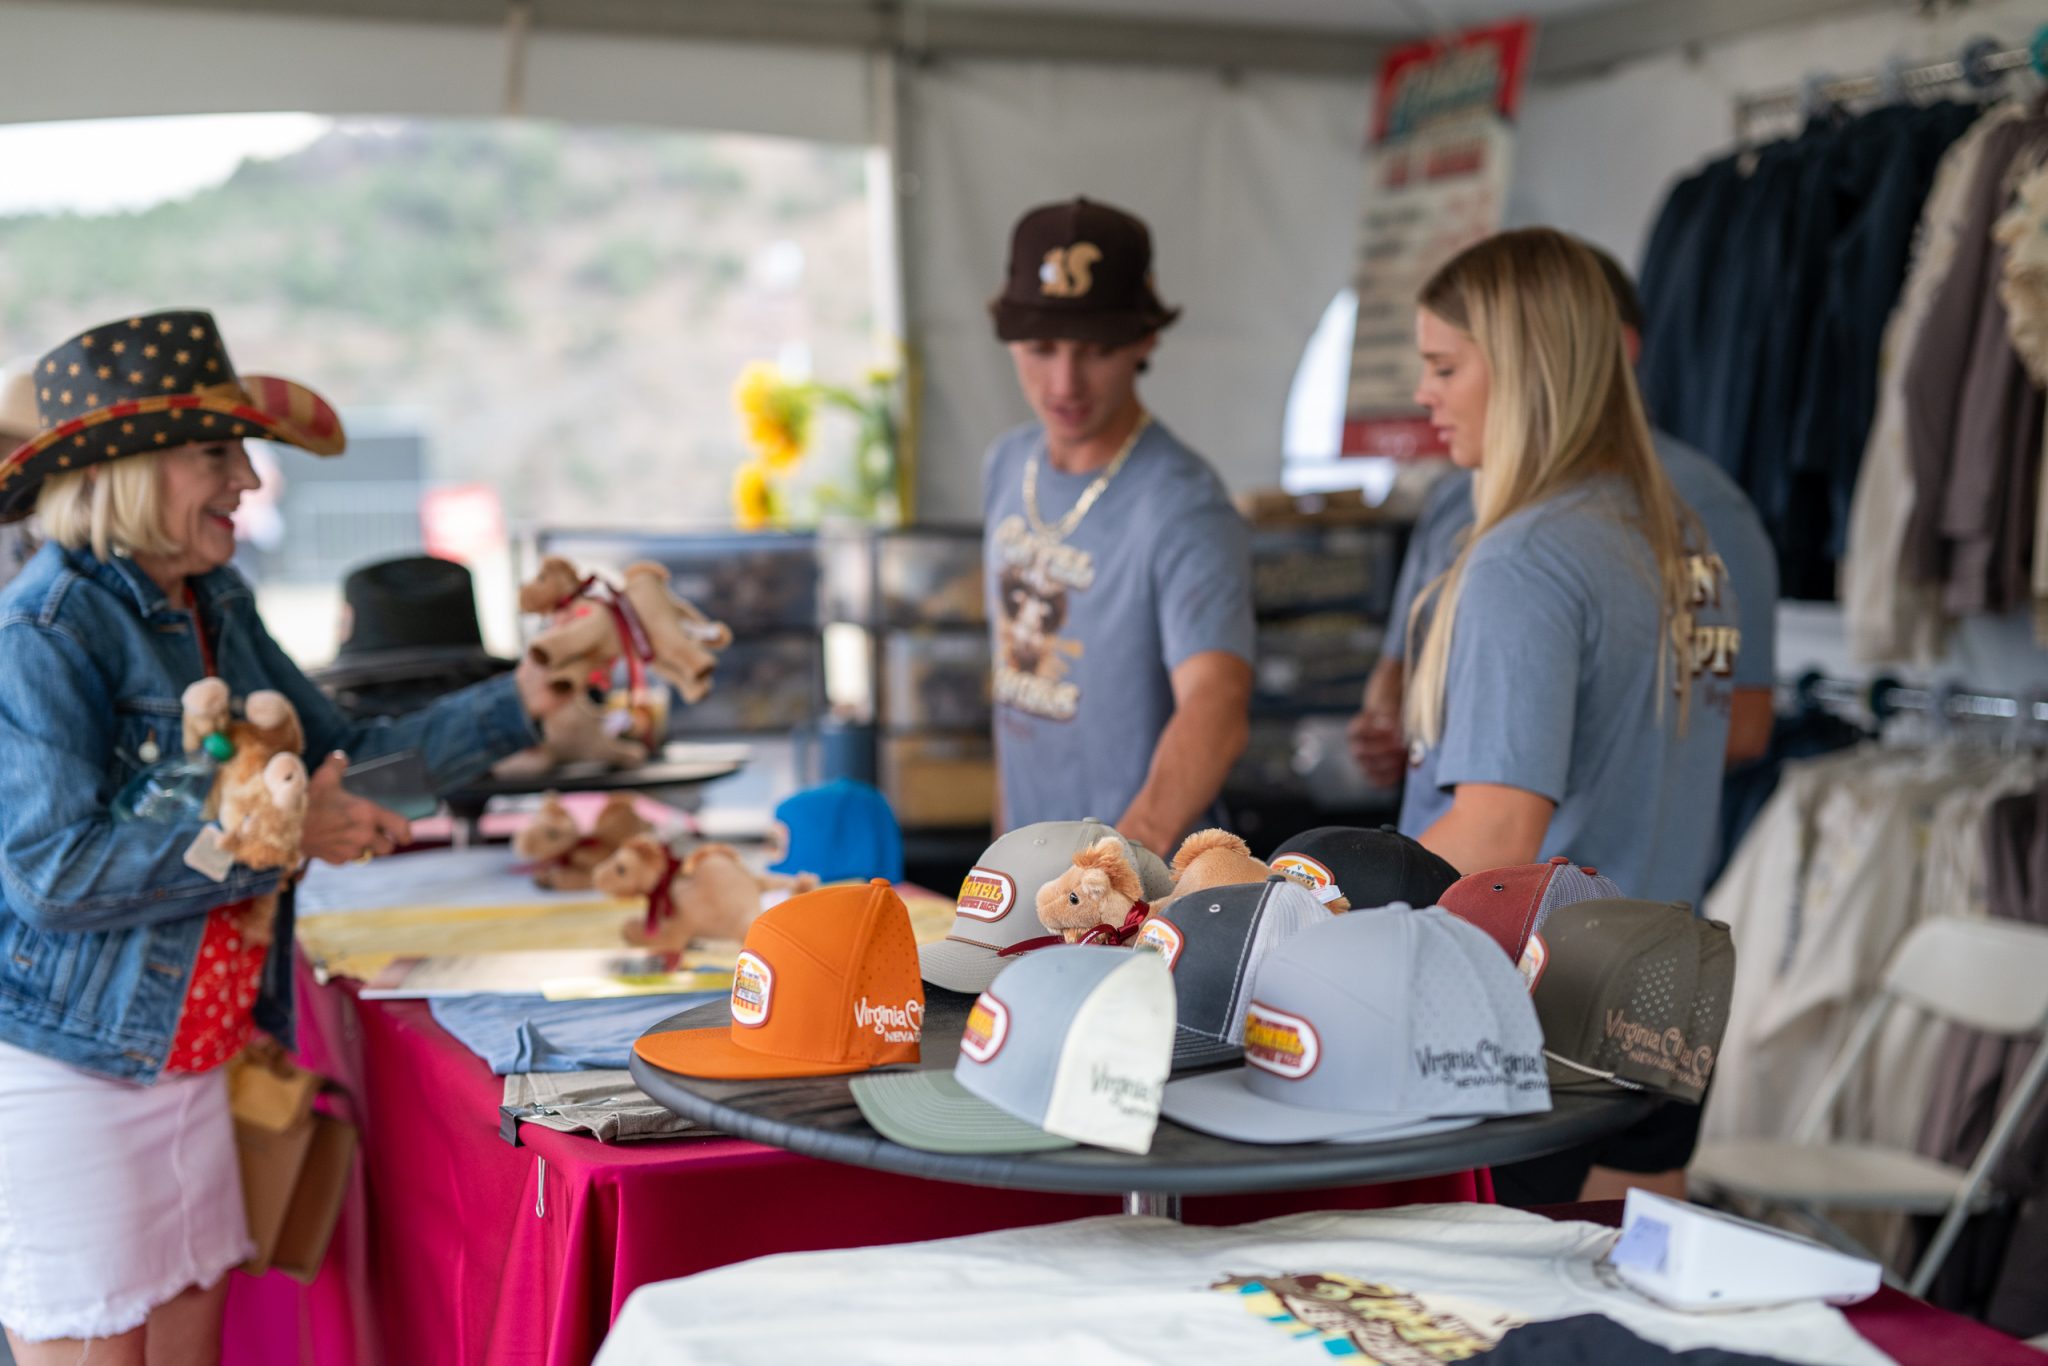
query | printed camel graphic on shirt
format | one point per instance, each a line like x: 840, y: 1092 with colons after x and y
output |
x: 1034, y: 603
x: 1373, y: 1325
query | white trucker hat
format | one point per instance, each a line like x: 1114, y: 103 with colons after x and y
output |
x: 1379, y: 1024
x: 1214, y: 942
x: 998, y: 903
x: 1072, y: 1045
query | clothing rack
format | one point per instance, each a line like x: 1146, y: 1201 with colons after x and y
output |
x: 1980, y: 65
x: 1885, y: 696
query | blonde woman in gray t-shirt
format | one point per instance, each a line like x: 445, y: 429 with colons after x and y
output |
x: 1573, y: 668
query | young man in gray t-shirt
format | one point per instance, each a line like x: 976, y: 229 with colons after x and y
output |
x: 1119, y: 574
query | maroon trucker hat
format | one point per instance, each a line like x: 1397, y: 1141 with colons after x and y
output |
x: 1511, y: 904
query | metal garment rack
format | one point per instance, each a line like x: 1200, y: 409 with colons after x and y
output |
x: 1981, y: 66
x: 1882, y: 697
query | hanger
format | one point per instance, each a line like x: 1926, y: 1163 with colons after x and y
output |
x: 1814, y: 101
x: 1891, y: 80
x: 1975, y: 63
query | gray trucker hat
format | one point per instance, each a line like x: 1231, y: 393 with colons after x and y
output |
x: 1214, y: 943
x: 1380, y: 1024
x: 998, y: 902
x: 1071, y: 1046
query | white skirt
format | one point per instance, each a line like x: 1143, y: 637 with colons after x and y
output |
x: 113, y: 1197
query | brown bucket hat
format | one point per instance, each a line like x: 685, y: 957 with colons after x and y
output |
x: 1080, y: 271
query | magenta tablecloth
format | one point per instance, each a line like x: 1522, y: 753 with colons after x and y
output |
x: 457, y: 1249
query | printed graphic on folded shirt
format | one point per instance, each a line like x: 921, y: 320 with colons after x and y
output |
x: 1358, y: 1320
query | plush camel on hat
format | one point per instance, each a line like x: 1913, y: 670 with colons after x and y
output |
x: 1213, y: 858
x: 1102, y: 887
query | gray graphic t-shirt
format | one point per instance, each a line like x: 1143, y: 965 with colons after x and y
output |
x: 1554, y: 689
x: 1724, y: 510
x: 1086, y: 630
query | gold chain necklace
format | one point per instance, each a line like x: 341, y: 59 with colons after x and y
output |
x: 1054, y: 534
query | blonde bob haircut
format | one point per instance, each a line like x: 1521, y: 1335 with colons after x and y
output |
x: 114, y: 508
x: 1561, y: 409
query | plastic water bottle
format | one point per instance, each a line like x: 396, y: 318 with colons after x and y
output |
x: 174, y: 790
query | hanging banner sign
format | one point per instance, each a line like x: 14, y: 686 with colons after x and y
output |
x: 1437, y: 181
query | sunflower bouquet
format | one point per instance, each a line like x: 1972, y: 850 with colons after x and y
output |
x: 778, y: 419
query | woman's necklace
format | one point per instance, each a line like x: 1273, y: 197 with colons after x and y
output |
x: 1053, y: 535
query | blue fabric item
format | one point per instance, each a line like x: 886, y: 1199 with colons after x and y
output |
x: 101, y: 921
x: 843, y: 831
x: 534, y: 1034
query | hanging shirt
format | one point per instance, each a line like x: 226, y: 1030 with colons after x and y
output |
x: 1887, y: 617
x: 1087, y: 630
x: 1724, y: 510
x: 1555, y: 687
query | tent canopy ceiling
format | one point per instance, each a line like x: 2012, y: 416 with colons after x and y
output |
x: 1303, y: 35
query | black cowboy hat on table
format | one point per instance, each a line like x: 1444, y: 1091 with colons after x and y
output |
x: 148, y: 383
x: 412, y: 634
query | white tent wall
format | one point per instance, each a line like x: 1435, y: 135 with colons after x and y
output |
x: 147, y: 60
x: 1251, y: 186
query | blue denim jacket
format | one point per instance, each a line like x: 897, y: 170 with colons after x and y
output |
x: 100, y: 923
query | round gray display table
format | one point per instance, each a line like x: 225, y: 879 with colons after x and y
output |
x: 816, y: 1116
x: 676, y: 770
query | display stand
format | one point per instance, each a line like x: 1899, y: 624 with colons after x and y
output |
x: 817, y: 1117
x: 677, y: 769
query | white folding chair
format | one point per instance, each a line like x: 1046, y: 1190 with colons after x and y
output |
x: 1988, y: 974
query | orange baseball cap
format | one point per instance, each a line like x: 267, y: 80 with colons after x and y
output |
x: 826, y: 982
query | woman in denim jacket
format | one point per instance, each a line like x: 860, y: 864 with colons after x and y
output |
x: 124, y: 977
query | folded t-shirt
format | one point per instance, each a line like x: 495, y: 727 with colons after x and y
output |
x: 534, y: 1034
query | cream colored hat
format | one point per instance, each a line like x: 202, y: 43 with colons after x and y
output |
x: 18, y: 420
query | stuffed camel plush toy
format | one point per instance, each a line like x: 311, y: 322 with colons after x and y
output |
x: 1212, y: 858
x: 710, y: 894
x: 676, y: 640
x: 259, y: 793
x: 563, y: 854
x: 1102, y: 890
x: 592, y: 625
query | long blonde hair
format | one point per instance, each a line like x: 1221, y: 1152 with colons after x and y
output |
x: 1562, y: 408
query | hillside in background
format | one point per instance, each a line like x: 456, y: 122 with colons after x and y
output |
x: 561, y: 311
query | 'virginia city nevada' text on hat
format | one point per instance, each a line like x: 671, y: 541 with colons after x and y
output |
x: 826, y: 983
x: 1380, y: 1024
x: 1069, y: 1045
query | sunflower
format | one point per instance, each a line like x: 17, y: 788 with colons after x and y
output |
x: 753, y: 500
x: 776, y: 414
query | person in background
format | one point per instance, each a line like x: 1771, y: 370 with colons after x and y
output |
x: 1571, y: 671
x: 1119, y: 574
x: 1724, y: 510
x: 17, y: 424
x: 1653, y: 1154
x: 129, y: 975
